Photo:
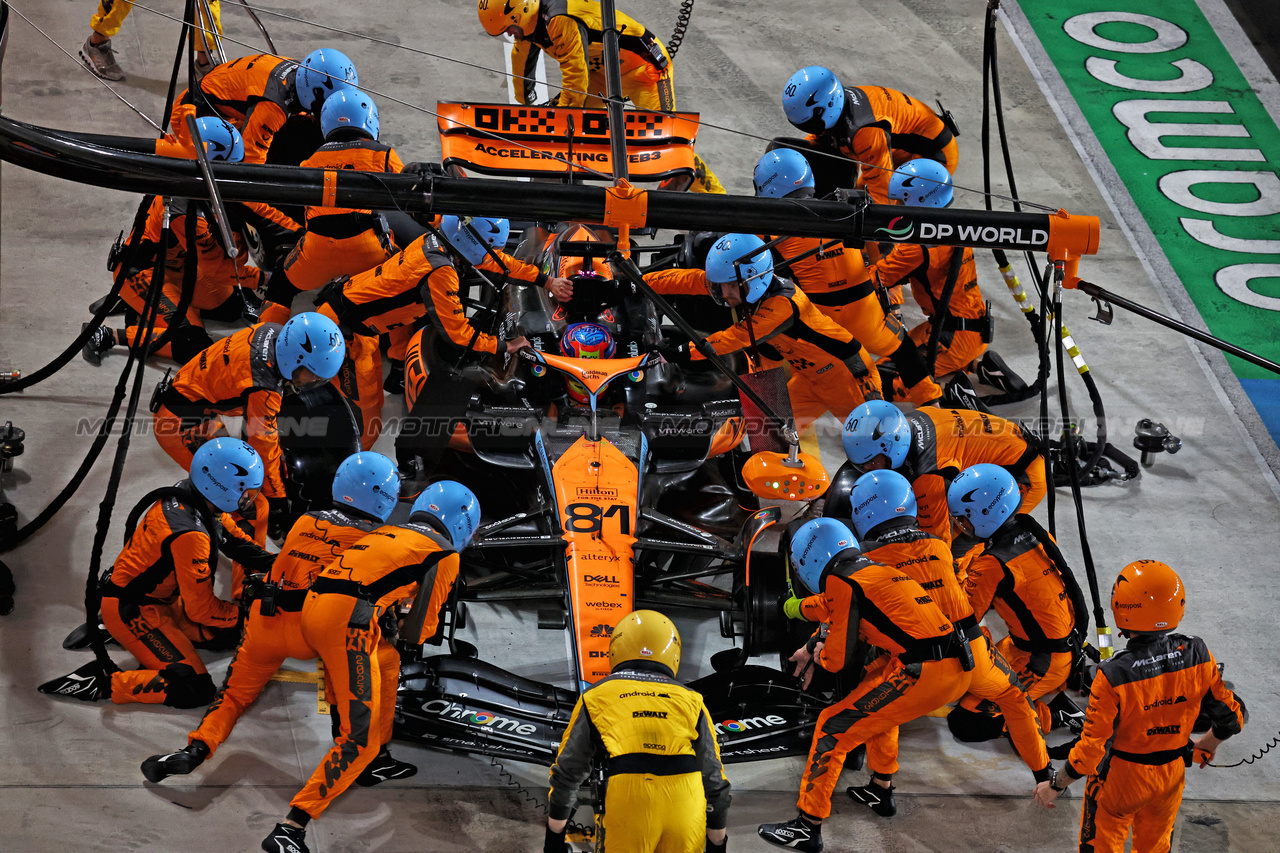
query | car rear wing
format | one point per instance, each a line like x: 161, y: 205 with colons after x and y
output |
x: 508, y: 141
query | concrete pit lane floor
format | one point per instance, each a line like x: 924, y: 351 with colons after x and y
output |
x: 71, y: 774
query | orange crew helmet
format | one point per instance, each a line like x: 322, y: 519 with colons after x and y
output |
x: 499, y: 16
x: 1148, y: 596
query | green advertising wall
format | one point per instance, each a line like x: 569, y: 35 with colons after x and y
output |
x: 1197, y: 151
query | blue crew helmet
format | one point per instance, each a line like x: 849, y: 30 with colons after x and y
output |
x: 921, y: 183
x: 984, y: 496
x: 321, y: 73
x: 228, y: 473
x: 880, y: 496
x: 814, y: 545
x: 454, y: 506
x: 368, y: 482
x: 876, y: 428
x: 349, y: 108
x: 813, y: 99
x: 782, y: 173
x: 741, y: 259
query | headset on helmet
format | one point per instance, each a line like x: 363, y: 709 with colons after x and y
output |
x: 813, y: 99
x: 781, y: 173
x: 754, y: 272
x: 876, y: 428
x: 498, y: 16
x: 813, y: 546
x: 986, y: 495
x: 921, y: 183
x: 349, y: 108
x: 322, y: 73
x: 470, y: 236
x: 645, y: 635
x: 1148, y: 596
x: 585, y: 340
x: 312, y: 341
x: 221, y: 140
x: 880, y: 496
x: 368, y: 482
x: 453, y: 505
x: 228, y: 472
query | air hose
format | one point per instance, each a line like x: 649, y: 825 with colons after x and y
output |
x: 991, y: 97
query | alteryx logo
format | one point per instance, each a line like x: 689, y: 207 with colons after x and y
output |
x: 899, y: 228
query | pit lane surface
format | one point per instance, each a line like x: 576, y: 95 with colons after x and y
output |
x: 1211, y: 511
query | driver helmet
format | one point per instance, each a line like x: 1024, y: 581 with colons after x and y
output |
x: 585, y: 340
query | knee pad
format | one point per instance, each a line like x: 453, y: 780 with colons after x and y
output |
x: 974, y: 727
x: 185, y: 689
x: 188, y: 342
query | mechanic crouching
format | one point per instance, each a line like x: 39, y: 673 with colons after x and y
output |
x: 158, y: 599
x: 365, y: 490
x: 664, y: 786
x: 923, y: 666
x: 349, y: 620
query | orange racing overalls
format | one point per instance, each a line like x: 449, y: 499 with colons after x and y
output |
x: 342, y: 620
x: 217, y: 277
x: 235, y: 376
x: 881, y: 129
x: 946, y: 441
x: 158, y: 599
x: 966, y: 328
x: 927, y: 559
x: 837, y: 282
x: 1013, y: 573
x: 417, y: 281
x: 873, y: 603
x: 830, y: 370
x: 572, y: 33
x: 1135, y: 745
x: 255, y: 93
x: 338, y: 240
x: 316, y: 539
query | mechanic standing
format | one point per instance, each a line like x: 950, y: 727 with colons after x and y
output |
x: 930, y: 447
x: 1144, y: 701
x: 1020, y: 571
x: 935, y: 271
x: 247, y: 374
x: 572, y: 33
x: 338, y: 240
x: 365, y: 490
x: 349, y: 617
x: 664, y: 786
x: 862, y: 602
x: 830, y: 371
x: 877, y: 128
x: 158, y: 598
x: 884, y: 509
x: 836, y: 279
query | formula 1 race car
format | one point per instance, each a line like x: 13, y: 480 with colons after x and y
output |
x: 607, y: 485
